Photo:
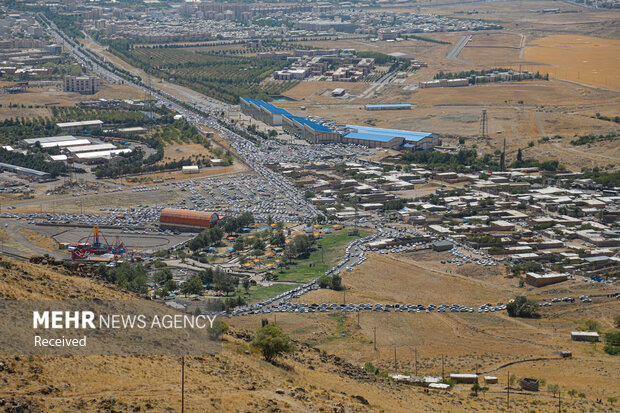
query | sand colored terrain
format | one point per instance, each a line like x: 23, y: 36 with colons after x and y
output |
x: 588, y: 60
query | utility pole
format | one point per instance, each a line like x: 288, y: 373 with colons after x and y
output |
x: 508, y: 387
x: 374, y: 342
x: 394, y: 357
x: 442, y: 369
x: 344, y: 296
x: 416, y: 362
x: 559, y: 401
x: 182, y: 384
x: 358, y: 320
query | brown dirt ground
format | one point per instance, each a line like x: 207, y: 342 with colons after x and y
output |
x: 239, y: 378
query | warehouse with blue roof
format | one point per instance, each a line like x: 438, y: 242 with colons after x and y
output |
x: 314, y: 132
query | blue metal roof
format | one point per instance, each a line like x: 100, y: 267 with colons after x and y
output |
x: 310, y: 123
x: 385, y: 135
x: 268, y: 106
x: 392, y: 105
x: 279, y: 111
x: 369, y: 136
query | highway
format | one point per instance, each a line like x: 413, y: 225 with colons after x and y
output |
x: 245, y: 149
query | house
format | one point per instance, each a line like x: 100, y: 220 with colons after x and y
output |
x: 490, y: 380
x: 540, y: 280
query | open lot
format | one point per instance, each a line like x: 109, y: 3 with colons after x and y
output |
x: 581, y: 59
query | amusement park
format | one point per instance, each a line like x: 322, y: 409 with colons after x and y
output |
x: 97, y: 245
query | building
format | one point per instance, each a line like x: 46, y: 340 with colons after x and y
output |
x: 91, y: 148
x: 442, y: 246
x: 590, y: 336
x: 79, y: 126
x: 190, y: 169
x: 396, y: 106
x: 540, y: 280
x: 464, y: 378
x: 314, y: 132
x: 24, y: 171
x: 529, y: 384
x: 390, y: 138
x: 490, y: 379
x: 309, y: 130
x: 187, y: 219
x: 95, y: 156
x: 338, y: 92
x: 86, y: 85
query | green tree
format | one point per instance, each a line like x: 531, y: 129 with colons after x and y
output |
x: 239, y: 245
x: 258, y: 244
x: 192, y: 286
x: 521, y: 306
x: 325, y: 281
x: 171, y: 286
x: 277, y: 238
x: 272, y: 341
x: 336, y: 282
x: 163, y: 276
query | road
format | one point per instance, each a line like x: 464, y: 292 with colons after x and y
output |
x: 378, y: 85
x: 457, y: 48
x: 202, y: 117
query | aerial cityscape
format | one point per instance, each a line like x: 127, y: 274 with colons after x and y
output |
x: 371, y: 206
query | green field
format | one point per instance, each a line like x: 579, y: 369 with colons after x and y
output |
x: 326, y: 253
x: 259, y: 293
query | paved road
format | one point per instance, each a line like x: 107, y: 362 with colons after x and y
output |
x: 457, y: 48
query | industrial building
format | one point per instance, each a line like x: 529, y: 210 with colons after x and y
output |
x: 390, y: 138
x: 98, y: 155
x: 187, y: 219
x: 396, y: 106
x: 24, y: 171
x: 32, y: 141
x: 65, y: 144
x: 92, y: 148
x: 314, y: 132
x: 309, y: 130
x: 78, y: 126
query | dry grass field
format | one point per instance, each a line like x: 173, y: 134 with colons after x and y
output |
x: 588, y: 60
x: 468, y: 342
x: 51, y: 97
x: 309, y: 380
